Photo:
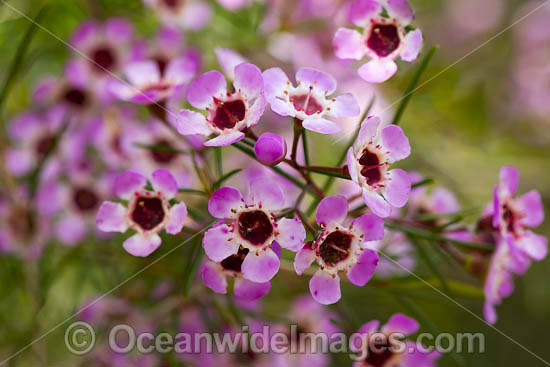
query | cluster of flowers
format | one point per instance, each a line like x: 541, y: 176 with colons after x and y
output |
x: 85, y: 128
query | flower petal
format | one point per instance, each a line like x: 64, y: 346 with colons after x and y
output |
x: 142, y: 73
x: 256, y: 110
x: 361, y: 11
x: 178, y: 213
x: 369, y: 131
x: 181, y: 70
x: 395, y: 142
x: 192, y: 123
x: 344, y: 105
x: 398, y: 188
x: 218, y: 243
x: 401, y: 10
x: 111, y: 217
x: 316, y: 79
x: 163, y: 182
x: 127, y: 183
x: 377, y: 71
x: 304, y: 258
x: 275, y: 82
x: 370, y: 226
x: 348, y: 44
x: 206, y: 86
x: 366, y: 265
x: 291, y: 233
x: 250, y: 291
x: 228, y: 60
x: 70, y: 229
x: 376, y: 203
x: 332, y: 210
x: 223, y: 201
x: 325, y: 288
x: 413, y: 44
x: 260, y: 267
x: 248, y: 79
x: 509, y: 179
x: 321, y: 126
x: 265, y: 192
x: 212, y: 277
x: 350, y: 160
x: 532, y: 208
x: 142, y: 246
x: 534, y: 245
x: 400, y: 323
x: 224, y: 139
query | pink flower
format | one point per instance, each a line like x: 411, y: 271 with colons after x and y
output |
x: 270, y: 149
x: 251, y: 228
x: 308, y: 100
x: 187, y: 14
x: 380, y: 352
x: 385, y: 37
x: 227, y: 113
x: 339, y: 248
x: 147, y: 213
x: 368, y: 163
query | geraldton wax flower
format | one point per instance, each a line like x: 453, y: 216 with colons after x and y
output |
x: 385, y: 36
x: 250, y: 228
x: 147, y: 212
x: 227, y: 113
x: 339, y: 248
x: 309, y: 100
x: 368, y: 161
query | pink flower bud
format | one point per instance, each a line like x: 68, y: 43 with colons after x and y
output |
x: 270, y: 149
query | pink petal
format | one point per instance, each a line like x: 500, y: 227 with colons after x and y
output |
x: 443, y: 200
x: 70, y: 229
x: 304, y: 258
x: 361, y: 11
x: 348, y: 44
x: 118, y: 30
x: 111, y: 217
x: 267, y: 193
x: 225, y: 139
x: 395, y: 142
x: 181, y: 70
x: 206, y: 86
x: 291, y: 233
x: 212, y: 277
x: 196, y: 15
x: 178, y: 213
x: 163, y: 182
x: 376, y: 203
x: 368, y: 131
x: 86, y: 33
x: 127, y: 183
x: 369, y: 327
x: 218, y: 243
x: 377, y: 71
x: 401, y: 10
x: 534, y: 245
x: 275, y: 82
x: 370, y: 226
x: 281, y: 107
x: 413, y: 44
x: 228, y: 60
x: 248, y: 79
x: 256, y: 110
x: 223, y: 201
x: 325, y: 288
x: 345, y: 105
x: 400, y: 323
x: 489, y: 312
x: 321, y: 126
x: 316, y: 79
x: 142, y: 73
x: 509, y: 179
x: 361, y: 272
x: 350, y: 160
x: 142, y: 246
x: 398, y: 188
x: 332, y: 210
x: 192, y: 123
x: 260, y: 267
x: 250, y: 291
x: 532, y: 208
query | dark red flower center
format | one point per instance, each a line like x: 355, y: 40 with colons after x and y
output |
x: 104, y: 58
x: 228, y: 114
x: 371, y: 169
x: 162, y: 62
x: 378, y: 354
x: 306, y: 103
x: 255, y: 227
x: 510, y: 219
x: 384, y: 39
x: 163, y: 152
x: 85, y: 199
x: 75, y: 96
x: 234, y: 262
x: 335, y: 248
x: 44, y: 145
x: 148, y: 212
x: 172, y: 4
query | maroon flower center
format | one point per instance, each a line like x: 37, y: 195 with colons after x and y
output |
x: 172, y: 4
x: 103, y: 58
x: 162, y: 62
x: 75, y: 96
x: 44, y: 145
x: 335, y: 248
x: 228, y: 114
x: 148, y: 212
x: 378, y: 354
x: 306, y: 103
x: 371, y: 167
x: 384, y: 39
x: 85, y: 199
x: 234, y: 262
x: 163, y: 152
x: 511, y: 219
x: 255, y: 227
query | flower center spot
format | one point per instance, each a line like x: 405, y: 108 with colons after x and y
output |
x: 148, y: 212
x: 229, y: 113
x: 255, y: 227
x: 371, y: 167
x: 335, y: 248
x: 85, y: 199
x: 163, y: 152
x: 234, y: 262
x: 103, y: 58
x: 379, y: 355
x: 306, y: 103
x: 383, y: 39
x: 75, y: 96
